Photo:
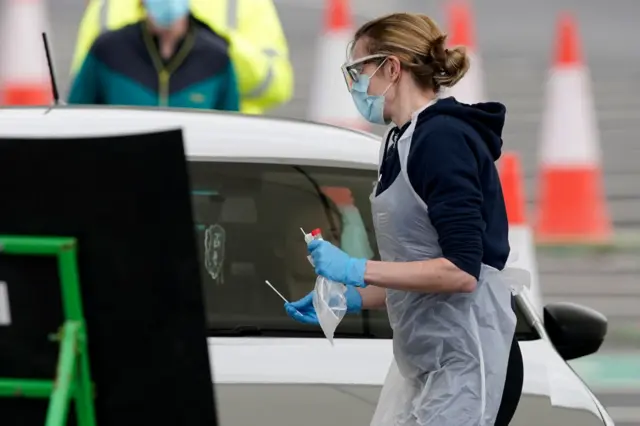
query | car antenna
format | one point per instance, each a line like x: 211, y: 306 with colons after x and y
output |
x: 52, y: 75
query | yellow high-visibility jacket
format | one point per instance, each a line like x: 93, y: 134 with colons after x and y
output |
x: 258, y: 47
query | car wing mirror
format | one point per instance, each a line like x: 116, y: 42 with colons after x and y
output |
x: 575, y: 330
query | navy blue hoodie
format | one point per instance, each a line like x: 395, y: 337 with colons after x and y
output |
x: 451, y: 167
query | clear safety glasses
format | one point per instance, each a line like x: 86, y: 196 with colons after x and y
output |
x: 352, y: 70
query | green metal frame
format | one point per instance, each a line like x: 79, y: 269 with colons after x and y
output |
x: 73, y: 377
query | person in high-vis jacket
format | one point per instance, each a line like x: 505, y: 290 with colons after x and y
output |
x: 442, y: 231
x: 167, y: 59
x: 258, y: 47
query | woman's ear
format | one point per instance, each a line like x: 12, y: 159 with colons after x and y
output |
x: 393, y: 68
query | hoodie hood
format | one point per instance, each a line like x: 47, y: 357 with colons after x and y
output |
x: 486, y: 118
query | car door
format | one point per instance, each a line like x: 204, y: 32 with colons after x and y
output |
x: 248, y: 219
x: 552, y: 390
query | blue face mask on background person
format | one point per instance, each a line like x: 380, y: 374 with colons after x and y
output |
x: 371, y: 107
x: 166, y: 12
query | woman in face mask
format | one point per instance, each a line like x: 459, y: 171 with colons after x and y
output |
x: 168, y: 59
x: 442, y: 232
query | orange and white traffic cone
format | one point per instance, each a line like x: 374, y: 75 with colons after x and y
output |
x: 24, y: 76
x: 470, y: 89
x: 331, y: 101
x: 572, y: 207
x: 523, y: 251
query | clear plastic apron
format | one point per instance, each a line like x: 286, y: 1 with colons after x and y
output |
x: 450, y: 350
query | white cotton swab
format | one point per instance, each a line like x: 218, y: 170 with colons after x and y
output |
x: 277, y: 292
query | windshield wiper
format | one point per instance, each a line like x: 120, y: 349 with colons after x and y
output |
x: 253, y: 330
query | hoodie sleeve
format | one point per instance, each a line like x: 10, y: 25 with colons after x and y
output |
x: 444, y: 172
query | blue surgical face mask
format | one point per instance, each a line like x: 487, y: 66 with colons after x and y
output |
x: 165, y: 13
x: 371, y: 107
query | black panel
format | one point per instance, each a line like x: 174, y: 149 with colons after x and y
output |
x: 127, y: 201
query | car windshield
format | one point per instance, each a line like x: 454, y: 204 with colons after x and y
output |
x: 248, y: 218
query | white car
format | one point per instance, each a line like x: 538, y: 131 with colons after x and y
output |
x: 255, y: 182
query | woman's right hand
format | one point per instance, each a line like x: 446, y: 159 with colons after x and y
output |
x: 303, y: 311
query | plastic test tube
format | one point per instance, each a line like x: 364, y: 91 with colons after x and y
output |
x: 316, y: 234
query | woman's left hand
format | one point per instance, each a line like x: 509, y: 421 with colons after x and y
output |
x: 336, y: 265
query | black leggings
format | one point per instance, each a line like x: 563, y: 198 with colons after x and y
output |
x: 512, y: 387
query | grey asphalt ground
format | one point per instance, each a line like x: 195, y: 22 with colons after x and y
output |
x: 516, y: 39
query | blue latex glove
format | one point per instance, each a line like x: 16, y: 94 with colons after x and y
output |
x: 303, y: 311
x: 336, y: 265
